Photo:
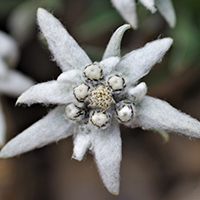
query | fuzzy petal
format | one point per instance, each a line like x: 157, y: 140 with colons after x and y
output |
x: 51, y: 92
x: 127, y: 8
x: 82, y: 141
x: 65, y: 49
x: 107, y: 151
x: 71, y: 76
x: 137, y: 93
x: 51, y: 128
x: 113, y: 48
x: 138, y: 63
x: 2, y: 127
x: 149, y: 4
x: 14, y: 83
x: 108, y: 65
x: 3, y: 68
x: 156, y: 114
x: 166, y: 9
x: 8, y: 49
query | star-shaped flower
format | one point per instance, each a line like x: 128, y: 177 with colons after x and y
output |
x: 12, y: 83
x: 94, y: 98
x: 127, y: 8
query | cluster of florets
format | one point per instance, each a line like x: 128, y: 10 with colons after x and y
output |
x: 98, y: 98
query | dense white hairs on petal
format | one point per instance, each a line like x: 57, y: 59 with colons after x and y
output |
x: 127, y: 8
x: 106, y: 147
x: 156, y: 114
x: 3, y: 68
x: 51, y: 92
x: 8, y: 49
x: 82, y: 141
x: 14, y: 83
x: 113, y: 48
x: 72, y: 76
x: 166, y: 9
x: 149, y: 4
x: 138, y: 63
x: 51, y: 128
x: 2, y: 126
x: 137, y: 93
x: 108, y: 65
x: 65, y: 49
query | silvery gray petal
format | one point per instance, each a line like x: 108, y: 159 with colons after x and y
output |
x: 2, y: 127
x: 65, y: 49
x: 106, y: 147
x: 113, y: 48
x: 149, y: 4
x: 51, y: 128
x: 82, y: 141
x: 8, y: 49
x: 127, y: 8
x: 14, y: 83
x: 108, y: 65
x: 3, y: 68
x: 72, y: 76
x: 153, y: 113
x: 138, y: 63
x: 52, y: 92
x: 137, y: 93
x: 166, y: 9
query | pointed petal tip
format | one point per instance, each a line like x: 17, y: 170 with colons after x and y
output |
x: 114, y: 192
x: 76, y: 157
x: 168, y: 41
x: 40, y: 11
x: 4, y: 154
x: 126, y: 26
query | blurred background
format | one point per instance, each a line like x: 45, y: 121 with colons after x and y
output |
x: 151, y: 168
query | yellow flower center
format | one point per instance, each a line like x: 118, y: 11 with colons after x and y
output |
x: 101, y: 97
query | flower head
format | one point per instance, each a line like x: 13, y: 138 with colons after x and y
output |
x: 12, y: 83
x: 127, y: 8
x: 95, y: 97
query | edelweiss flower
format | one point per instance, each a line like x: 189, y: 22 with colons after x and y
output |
x: 12, y: 83
x: 127, y: 8
x: 94, y: 98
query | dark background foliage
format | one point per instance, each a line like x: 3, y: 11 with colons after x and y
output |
x: 151, y: 168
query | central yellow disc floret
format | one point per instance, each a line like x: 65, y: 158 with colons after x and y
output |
x: 101, y: 97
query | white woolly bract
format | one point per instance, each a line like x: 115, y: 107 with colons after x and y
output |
x: 14, y: 83
x: 51, y: 128
x: 106, y: 147
x: 82, y: 141
x: 65, y: 49
x: 2, y: 126
x: 3, y: 68
x: 108, y: 65
x: 138, y: 63
x: 9, y: 50
x: 72, y: 76
x: 137, y: 93
x: 52, y: 92
x: 149, y: 4
x: 166, y: 9
x: 156, y: 114
x: 127, y: 8
x: 113, y: 48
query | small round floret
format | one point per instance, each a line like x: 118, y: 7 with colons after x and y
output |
x: 72, y: 111
x: 101, y: 97
x: 125, y: 113
x: 116, y: 82
x: 93, y: 72
x: 81, y: 92
x: 99, y: 119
